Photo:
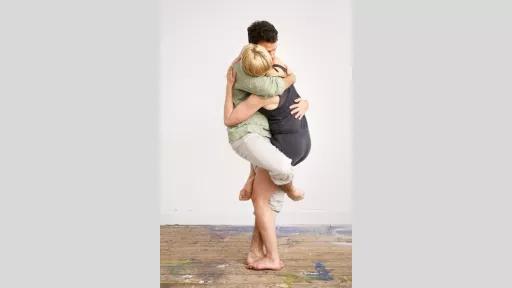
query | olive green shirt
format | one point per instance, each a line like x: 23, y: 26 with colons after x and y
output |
x: 245, y: 85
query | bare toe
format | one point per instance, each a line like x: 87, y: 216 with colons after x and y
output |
x: 297, y: 196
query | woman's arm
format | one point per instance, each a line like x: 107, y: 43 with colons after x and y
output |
x: 228, y: 102
x: 244, y: 110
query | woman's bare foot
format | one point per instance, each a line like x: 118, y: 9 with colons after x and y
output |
x: 246, y: 192
x: 295, y: 194
x: 266, y: 263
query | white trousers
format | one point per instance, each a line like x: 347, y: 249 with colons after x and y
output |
x: 261, y: 153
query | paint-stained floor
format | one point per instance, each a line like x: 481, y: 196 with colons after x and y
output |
x: 214, y: 256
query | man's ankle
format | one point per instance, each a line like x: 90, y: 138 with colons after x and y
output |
x: 273, y: 258
x: 256, y: 252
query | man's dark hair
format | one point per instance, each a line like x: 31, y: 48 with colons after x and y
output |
x: 262, y: 31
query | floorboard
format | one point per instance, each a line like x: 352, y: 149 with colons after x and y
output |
x: 214, y: 256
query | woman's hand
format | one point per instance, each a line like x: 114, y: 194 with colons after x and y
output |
x: 278, y: 60
x: 289, y: 71
x: 231, y: 76
x: 300, y: 108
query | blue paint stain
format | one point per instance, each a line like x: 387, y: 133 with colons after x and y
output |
x: 321, y: 273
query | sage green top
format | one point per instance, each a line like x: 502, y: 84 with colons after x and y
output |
x: 245, y: 85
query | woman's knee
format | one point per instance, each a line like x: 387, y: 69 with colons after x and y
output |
x: 282, y: 172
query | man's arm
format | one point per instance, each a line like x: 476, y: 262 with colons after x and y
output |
x: 301, y: 105
x: 299, y: 108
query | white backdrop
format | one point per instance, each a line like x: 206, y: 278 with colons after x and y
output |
x: 200, y: 174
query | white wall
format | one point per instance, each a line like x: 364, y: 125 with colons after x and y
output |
x: 200, y: 174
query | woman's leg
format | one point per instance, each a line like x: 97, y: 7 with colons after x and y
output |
x: 259, y: 151
x: 265, y: 221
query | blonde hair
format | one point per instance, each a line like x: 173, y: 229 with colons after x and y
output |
x: 256, y: 61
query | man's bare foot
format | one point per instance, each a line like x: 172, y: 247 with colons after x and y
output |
x: 246, y: 192
x: 266, y: 263
x: 253, y: 257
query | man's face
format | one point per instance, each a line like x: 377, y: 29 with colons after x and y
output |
x: 271, y: 48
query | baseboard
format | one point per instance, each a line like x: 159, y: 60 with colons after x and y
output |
x: 312, y: 217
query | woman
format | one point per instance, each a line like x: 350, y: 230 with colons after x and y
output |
x: 289, y: 134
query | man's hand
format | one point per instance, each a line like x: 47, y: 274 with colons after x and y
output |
x: 300, y: 108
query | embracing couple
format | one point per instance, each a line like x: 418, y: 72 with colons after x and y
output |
x: 266, y: 126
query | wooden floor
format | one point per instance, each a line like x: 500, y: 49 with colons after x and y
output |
x: 213, y: 256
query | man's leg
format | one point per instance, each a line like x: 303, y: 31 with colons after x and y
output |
x: 265, y: 221
x: 257, y: 249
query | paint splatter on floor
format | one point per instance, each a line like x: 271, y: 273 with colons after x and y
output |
x: 321, y: 273
x: 290, y: 279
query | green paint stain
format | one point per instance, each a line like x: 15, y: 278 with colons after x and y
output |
x: 175, y: 267
x: 174, y: 262
x: 290, y: 279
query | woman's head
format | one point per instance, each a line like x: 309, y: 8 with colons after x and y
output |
x: 256, y: 61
